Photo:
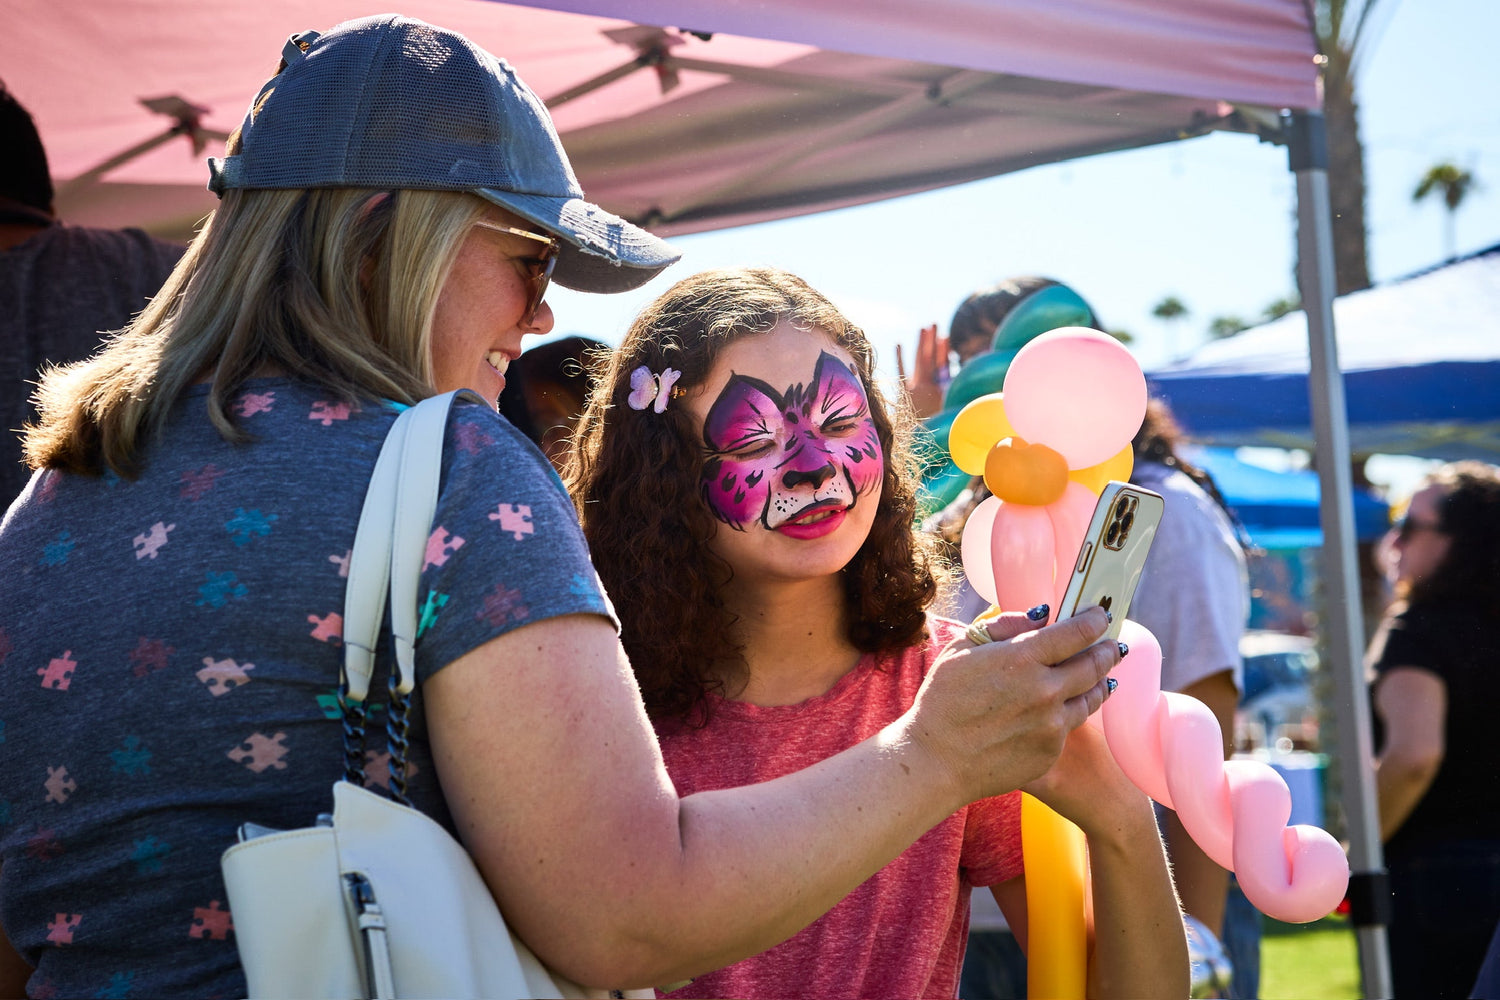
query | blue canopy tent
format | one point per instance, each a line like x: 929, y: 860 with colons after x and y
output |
x: 1280, y: 509
x: 1421, y: 363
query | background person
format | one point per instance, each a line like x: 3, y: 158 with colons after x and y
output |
x: 169, y: 623
x: 545, y: 391
x: 61, y: 285
x: 1433, y: 661
x: 751, y: 511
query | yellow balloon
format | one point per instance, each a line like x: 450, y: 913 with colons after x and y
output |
x: 1118, y: 466
x: 975, y: 430
x: 1056, y: 858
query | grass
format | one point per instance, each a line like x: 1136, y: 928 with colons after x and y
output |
x: 1316, y: 961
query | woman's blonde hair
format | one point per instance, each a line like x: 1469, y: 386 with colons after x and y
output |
x: 335, y: 286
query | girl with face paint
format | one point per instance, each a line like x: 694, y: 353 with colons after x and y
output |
x: 748, y: 497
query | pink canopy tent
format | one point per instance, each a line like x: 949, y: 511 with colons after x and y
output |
x: 688, y: 115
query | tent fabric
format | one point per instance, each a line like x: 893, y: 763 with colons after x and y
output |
x: 830, y: 103
x: 1278, y: 508
x: 1421, y: 363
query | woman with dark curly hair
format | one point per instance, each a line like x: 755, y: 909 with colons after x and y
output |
x: 1437, y: 774
x: 748, y: 497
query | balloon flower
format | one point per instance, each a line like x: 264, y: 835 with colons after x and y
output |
x: 1062, y: 428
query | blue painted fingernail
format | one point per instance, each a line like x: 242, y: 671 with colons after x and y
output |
x: 1039, y: 613
x: 1109, y: 686
x: 1124, y: 649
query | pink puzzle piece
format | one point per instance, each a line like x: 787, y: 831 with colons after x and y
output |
x: 59, y: 786
x: 58, y: 673
x: 252, y: 403
x: 440, y: 545
x: 211, y: 922
x: 60, y: 930
x: 148, y: 543
x: 342, y: 562
x: 329, y: 628
x: 260, y: 752
x: 222, y: 676
x: 326, y: 413
x: 516, y: 519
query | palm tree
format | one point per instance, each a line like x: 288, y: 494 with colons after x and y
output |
x: 1170, y: 311
x: 1226, y: 326
x: 1455, y: 183
x: 1286, y: 304
x: 1345, y: 35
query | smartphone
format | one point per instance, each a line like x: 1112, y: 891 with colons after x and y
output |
x: 1113, y: 553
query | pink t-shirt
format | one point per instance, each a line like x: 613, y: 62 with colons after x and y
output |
x: 902, y: 933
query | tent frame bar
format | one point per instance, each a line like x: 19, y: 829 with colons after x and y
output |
x: 1306, y: 137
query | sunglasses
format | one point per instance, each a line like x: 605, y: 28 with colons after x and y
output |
x: 537, y: 270
x: 1406, y: 528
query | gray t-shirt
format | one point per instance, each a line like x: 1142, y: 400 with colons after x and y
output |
x: 58, y: 290
x: 1194, y: 594
x: 170, y: 653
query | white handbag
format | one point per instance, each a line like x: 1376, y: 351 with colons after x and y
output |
x: 377, y: 900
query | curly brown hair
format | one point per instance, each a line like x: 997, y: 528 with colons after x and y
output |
x: 634, y: 476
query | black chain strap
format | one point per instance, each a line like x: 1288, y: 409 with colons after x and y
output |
x: 397, y: 744
x: 354, y: 715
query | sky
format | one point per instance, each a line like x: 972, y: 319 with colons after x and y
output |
x: 1208, y: 220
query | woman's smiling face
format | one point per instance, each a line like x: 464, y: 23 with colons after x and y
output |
x: 794, y: 463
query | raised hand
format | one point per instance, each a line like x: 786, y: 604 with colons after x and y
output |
x: 923, y: 385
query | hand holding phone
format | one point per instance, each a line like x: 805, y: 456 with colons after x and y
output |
x: 1113, y: 553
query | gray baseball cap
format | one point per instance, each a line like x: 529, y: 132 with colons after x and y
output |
x: 390, y: 102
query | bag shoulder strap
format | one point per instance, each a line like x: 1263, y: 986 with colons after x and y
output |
x: 390, y: 542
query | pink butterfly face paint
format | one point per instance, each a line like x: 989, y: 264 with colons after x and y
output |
x: 793, y: 460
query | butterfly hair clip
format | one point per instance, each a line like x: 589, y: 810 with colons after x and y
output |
x: 650, y: 389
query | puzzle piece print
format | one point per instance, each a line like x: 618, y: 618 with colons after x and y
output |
x: 342, y: 562
x: 148, y: 855
x: 246, y: 524
x: 149, y: 655
x: 251, y: 403
x: 471, y: 439
x: 260, y: 752
x: 502, y: 605
x: 197, y: 482
x: 132, y: 758
x: 62, y: 927
x: 58, y: 673
x: 378, y: 769
x: 515, y: 519
x: 326, y: 413
x: 147, y: 544
x: 56, y: 552
x: 219, y: 589
x: 59, y: 786
x: 582, y: 586
x: 440, y: 545
x: 430, y: 609
x: 44, y: 845
x: 329, y: 628
x: 48, y: 489
x: 211, y: 922
x: 119, y: 986
x: 222, y: 676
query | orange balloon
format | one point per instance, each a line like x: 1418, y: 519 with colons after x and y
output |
x: 1118, y: 467
x: 1030, y: 474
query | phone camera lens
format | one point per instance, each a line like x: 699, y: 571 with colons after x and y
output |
x: 1126, y: 522
x: 1112, y: 536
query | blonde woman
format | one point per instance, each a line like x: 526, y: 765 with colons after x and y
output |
x: 393, y: 207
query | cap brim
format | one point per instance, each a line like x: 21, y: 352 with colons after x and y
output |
x: 601, y: 252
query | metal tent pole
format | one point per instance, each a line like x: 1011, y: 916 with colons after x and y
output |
x: 1369, y: 894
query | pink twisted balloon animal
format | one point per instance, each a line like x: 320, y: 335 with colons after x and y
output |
x: 1080, y: 395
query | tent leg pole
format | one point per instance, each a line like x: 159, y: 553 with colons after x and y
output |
x: 1341, y: 625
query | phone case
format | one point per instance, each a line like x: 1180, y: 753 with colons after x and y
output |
x: 1113, y: 553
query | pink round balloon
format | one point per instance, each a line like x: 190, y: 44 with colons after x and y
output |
x: 974, y: 548
x: 1078, y: 391
x: 1070, y: 515
x: 1021, y: 556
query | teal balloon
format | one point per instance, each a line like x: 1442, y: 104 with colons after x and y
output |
x: 1047, y: 309
x: 981, y: 375
x: 941, y: 480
